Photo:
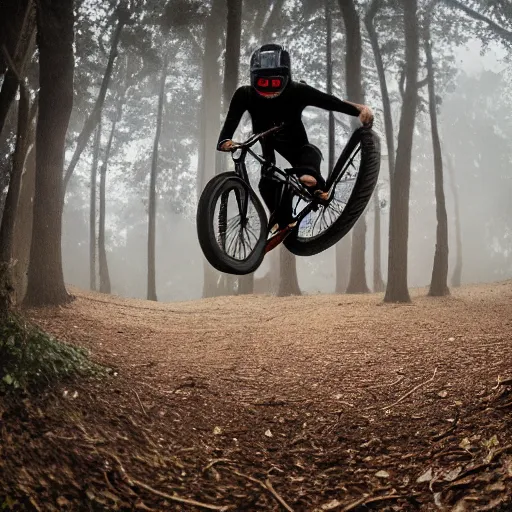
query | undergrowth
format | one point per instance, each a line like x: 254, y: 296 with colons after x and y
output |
x: 30, y: 358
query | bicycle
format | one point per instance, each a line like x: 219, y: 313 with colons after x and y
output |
x: 233, y: 230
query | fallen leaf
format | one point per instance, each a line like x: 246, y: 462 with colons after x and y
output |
x: 453, y: 474
x: 331, y: 505
x: 425, y: 477
x: 465, y: 444
x: 62, y: 502
x: 217, y: 431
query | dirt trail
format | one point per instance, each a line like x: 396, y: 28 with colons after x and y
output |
x: 299, y: 391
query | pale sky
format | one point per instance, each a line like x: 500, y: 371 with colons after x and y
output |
x: 472, y: 62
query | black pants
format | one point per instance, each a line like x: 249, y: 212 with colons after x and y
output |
x: 305, y: 160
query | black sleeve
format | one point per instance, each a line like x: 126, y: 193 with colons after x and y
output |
x: 315, y: 98
x: 237, y: 107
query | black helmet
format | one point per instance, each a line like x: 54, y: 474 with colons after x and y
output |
x: 270, y: 70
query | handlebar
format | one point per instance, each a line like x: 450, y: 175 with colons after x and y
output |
x: 254, y: 138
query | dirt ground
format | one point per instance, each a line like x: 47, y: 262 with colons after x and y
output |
x: 256, y: 403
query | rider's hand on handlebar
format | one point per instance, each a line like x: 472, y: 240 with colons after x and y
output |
x: 227, y: 145
x: 365, y: 115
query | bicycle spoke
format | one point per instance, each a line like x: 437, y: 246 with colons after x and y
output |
x: 320, y: 220
x: 239, y: 226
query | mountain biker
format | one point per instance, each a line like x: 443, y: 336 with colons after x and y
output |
x: 272, y: 99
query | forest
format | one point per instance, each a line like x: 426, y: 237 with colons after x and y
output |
x: 133, y: 375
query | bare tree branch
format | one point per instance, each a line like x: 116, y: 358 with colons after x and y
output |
x: 499, y: 30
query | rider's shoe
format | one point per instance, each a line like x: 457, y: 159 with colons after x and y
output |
x: 321, y: 194
x: 311, y: 182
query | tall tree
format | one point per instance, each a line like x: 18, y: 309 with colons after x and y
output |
x: 328, y: 66
x: 24, y: 219
x: 209, y: 122
x: 13, y: 194
x: 55, y: 43
x: 384, y: 92
x: 231, y: 74
x: 438, y: 284
x: 378, y: 282
x: 397, y: 290
x: 17, y: 32
x: 288, y: 281
x: 456, y: 279
x: 354, y: 81
x: 152, y: 188
x: 123, y: 17
x: 92, y: 212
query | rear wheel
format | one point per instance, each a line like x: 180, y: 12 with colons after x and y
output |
x: 351, y: 184
x: 231, y: 225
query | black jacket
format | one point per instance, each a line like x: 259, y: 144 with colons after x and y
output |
x: 286, y: 108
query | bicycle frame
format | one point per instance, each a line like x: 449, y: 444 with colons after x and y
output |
x: 276, y: 174
x: 290, y: 182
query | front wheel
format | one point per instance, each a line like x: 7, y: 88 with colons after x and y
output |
x: 231, y: 225
x: 351, y: 185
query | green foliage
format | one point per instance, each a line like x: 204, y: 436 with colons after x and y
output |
x: 31, y: 358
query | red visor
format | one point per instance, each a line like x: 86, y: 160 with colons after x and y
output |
x: 269, y: 85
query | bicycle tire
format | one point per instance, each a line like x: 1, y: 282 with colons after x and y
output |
x: 361, y: 194
x: 218, y: 186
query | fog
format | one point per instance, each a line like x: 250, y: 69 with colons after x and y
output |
x: 475, y: 127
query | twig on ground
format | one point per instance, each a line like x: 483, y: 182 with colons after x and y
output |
x: 369, y: 500
x: 214, y: 462
x: 355, y: 504
x: 506, y: 382
x: 268, y: 487
x: 448, y: 431
x: 283, y: 503
x: 401, y: 399
x: 137, y: 483
x: 207, y: 506
x: 140, y: 403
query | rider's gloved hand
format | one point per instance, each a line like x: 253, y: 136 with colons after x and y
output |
x: 227, y: 145
x: 365, y: 115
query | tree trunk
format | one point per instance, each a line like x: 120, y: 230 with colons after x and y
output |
x: 104, y: 274
x: 328, y: 57
x: 353, y: 76
x: 210, y: 119
x: 456, y: 280
x: 386, y: 102
x: 397, y: 290
x: 92, y: 213
x: 95, y: 116
x: 357, y: 280
x: 438, y: 284
x: 288, y: 283
x: 343, y: 250
x: 152, y: 189
x: 231, y: 72
x: 55, y: 42
x: 23, y: 224
x: 272, y: 21
x: 20, y: 49
x: 378, y: 282
x: 13, y: 193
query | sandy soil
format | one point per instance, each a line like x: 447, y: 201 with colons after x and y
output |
x: 261, y: 403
